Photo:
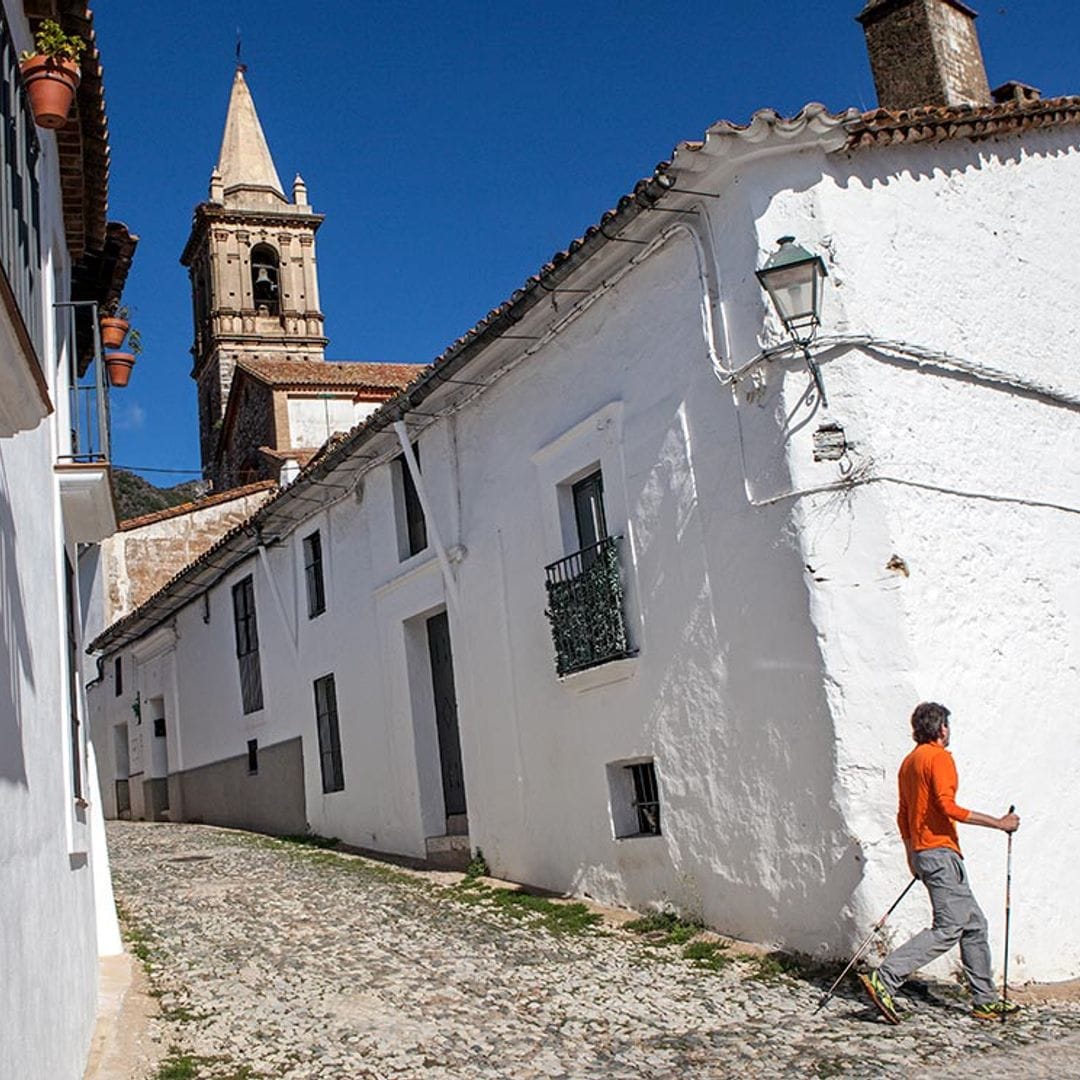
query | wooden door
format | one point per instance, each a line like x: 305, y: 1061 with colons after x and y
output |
x: 446, y: 717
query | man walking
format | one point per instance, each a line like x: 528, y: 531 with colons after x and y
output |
x: 927, y: 817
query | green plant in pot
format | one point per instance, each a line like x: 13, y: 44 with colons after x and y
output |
x: 118, y: 365
x: 51, y: 73
x: 114, y: 326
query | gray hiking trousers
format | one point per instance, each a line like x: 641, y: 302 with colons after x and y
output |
x: 957, y: 918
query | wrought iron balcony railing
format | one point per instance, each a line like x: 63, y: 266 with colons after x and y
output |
x: 585, y: 607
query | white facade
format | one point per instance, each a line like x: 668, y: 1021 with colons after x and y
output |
x: 785, y: 614
x: 54, y: 881
x: 313, y: 418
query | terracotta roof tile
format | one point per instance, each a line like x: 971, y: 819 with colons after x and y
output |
x: 283, y: 374
x: 300, y: 454
x: 882, y: 127
x: 191, y: 507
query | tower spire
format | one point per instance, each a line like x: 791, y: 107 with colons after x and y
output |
x: 244, y: 162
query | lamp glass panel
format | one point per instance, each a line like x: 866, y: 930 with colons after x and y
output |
x: 792, y: 291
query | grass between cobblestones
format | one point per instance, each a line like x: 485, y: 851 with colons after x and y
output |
x: 180, y: 1066
x: 663, y: 928
x: 555, y: 917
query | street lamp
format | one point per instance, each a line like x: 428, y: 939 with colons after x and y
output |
x: 793, y: 279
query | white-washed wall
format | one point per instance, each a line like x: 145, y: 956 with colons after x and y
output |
x: 963, y: 250
x: 49, y: 928
x: 726, y: 693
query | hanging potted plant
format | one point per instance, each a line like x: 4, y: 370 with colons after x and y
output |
x: 118, y: 365
x: 51, y: 74
x: 114, y: 327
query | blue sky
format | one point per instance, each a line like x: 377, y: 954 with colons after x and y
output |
x: 453, y: 147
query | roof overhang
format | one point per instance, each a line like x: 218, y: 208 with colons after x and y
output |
x: 86, y: 501
x: 83, y: 142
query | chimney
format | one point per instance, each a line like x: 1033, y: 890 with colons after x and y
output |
x: 924, y: 52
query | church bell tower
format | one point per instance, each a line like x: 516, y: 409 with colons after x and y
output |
x: 251, y: 261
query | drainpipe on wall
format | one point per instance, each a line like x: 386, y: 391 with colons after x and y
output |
x: 433, y: 533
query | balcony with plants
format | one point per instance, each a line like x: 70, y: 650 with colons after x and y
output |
x: 585, y: 608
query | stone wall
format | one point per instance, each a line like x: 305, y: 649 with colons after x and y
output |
x: 924, y: 52
x: 254, y: 426
x: 148, y: 551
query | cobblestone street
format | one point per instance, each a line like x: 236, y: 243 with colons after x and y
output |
x: 274, y: 959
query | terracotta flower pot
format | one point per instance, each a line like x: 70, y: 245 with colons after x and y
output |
x: 50, y: 85
x: 118, y: 367
x: 113, y: 331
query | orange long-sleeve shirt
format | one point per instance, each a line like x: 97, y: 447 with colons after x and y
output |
x: 928, y: 808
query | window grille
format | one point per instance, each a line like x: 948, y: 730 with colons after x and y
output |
x: 247, y: 644
x: 326, y: 720
x: 313, y: 573
x: 646, y: 798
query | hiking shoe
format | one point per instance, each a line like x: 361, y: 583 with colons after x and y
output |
x: 881, y: 997
x: 994, y: 1010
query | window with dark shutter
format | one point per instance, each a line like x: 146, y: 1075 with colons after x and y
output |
x: 326, y: 719
x: 589, y: 510
x: 313, y: 574
x: 247, y: 644
x: 415, y: 526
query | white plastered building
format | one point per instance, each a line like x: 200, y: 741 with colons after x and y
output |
x: 751, y: 586
x: 59, y: 259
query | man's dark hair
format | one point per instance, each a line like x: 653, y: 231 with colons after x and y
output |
x: 927, y: 721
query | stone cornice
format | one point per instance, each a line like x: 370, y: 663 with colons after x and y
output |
x: 207, y: 214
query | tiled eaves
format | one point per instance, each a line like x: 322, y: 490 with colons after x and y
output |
x: 83, y: 142
x: 300, y: 454
x: 345, y: 375
x: 128, y: 524
x: 882, y: 127
x: 834, y: 131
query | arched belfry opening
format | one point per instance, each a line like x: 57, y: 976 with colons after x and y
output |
x: 265, y: 280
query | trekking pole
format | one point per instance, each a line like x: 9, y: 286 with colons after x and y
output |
x: 1008, y: 912
x: 862, y: 948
